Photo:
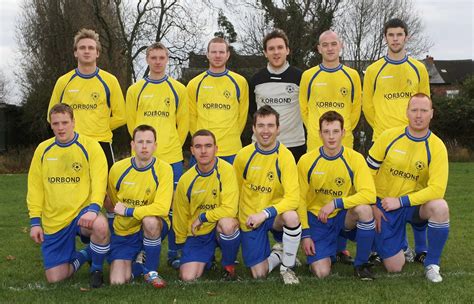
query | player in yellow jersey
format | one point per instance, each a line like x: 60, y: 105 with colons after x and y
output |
x: 160, y: 101
x: 331, y: 86
x: 93, y: 93
x: 410, y: 165
x: 205, y: 210
x: 336, y: 192
x: 69, y: 163
x: 141, y: 189
x: 388, y: 85
x: 219, y: 101
x: 269, y: 196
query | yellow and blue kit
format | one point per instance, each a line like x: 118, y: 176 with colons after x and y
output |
x: 208, y: 195
x: 58, y: 170
x: 344, y: 179
x: 96, y: 99
x: 268, y: 181
x: 219, y: 102
x: 388, y: 85
x: 146, y: 191
x: 323, y: 89
x: 410, y: 168
x: 163, y: 105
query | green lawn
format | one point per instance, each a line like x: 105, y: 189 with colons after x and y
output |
x: 22, y: 279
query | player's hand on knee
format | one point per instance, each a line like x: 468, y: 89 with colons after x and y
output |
x: 390, y: 204
x: 254, y: 220
x: 87, y: 219
x: 326, y: 211
x: 378, y: 216
x: 307, y: 244
x: 120, y: 209
x: 196, y: 225
x: 36, y: 234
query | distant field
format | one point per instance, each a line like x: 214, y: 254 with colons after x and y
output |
x: 22, y: 279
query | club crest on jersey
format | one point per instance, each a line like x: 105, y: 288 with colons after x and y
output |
x: 419, y: 165
x: 214, y: 193
x: 148, y: 191
x: 95, y: 96
x: 76, y: 166
x: 167, y: 101
x: 343, y: 91
x: 339, y: 181
x: 270, y: 176
x: 409, y: 83
x: 290, y: 89
x: 227, y: 94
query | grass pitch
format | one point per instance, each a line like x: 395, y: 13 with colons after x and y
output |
x: 22, y: 276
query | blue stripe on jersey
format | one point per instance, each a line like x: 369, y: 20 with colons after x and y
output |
x: 47, y: 149
x: 327, y: 157
x: 62, y: 93
x: 87, y: 76
x: 188, y: 193
x: 199, y: 86
x: 380, y: 71
x: 417, y: 139
x: 311, y: 82
x: 147, y: 167
x: 275, y: 149
x: 391, y: 144
x: 351, y: 173
x: 176, y: 98
x: 248, y: 162
x: 140, y: 94
x: 428, y: 152
x: 310, y: 171
x: 414, y: 67
x: 69, y: 143
x: 391, y: 61
x: 83, y: 150
x: 119, y: 181
x: 237, y: 89
x: 204, y: 174
x: 352, y: 84
x: 330, y: 70
x: 106, y: 88
x: 278, y: 171
x: 155, y: 177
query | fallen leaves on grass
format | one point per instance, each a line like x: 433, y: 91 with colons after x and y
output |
x: 10, y: 257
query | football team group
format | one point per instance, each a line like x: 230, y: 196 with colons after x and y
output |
x: 300, y: 179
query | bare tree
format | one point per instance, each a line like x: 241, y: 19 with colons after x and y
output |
x: 361, y: 22
x: 4, y: 92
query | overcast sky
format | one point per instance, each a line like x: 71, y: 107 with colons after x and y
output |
x: 447, y: 22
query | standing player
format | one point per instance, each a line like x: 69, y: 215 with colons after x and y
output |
x: 160, y: 101
x: 219, y: 101
x: 94, y: 94
x: 205, y: 210
x: 388, y: 85
x: 336, y: 190
x: 68, y: 163
x: 331, y: 86
x: 141, y: 189
x: 410, y: 165
x: 269, y: 195
x: 278, y: 86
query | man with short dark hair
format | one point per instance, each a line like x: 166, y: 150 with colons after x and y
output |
x: 269, y: 196
x: 336, y: 192
x: 141, y: 189
x: 410, y: 166
x: 69, y: 163
x: 277, y: 85
x: 205, y: 210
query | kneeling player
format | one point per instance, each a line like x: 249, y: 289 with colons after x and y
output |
x: 205, y: 210
x: 268, y: 183
x: 336, y: 189
x: 141, y: 188
x: 410, y: 165
x: 67, y: 164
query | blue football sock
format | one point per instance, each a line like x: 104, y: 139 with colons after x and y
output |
x: 152, y: 249
x: 437, y: 236
x: 172, y: 247
x: 341, y: 243
x: 98, y: 254
x: 230, y: 247
x: 79, y: 258
x: 419, y: 233
x: 137, y: 269
x: 365, y: 239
